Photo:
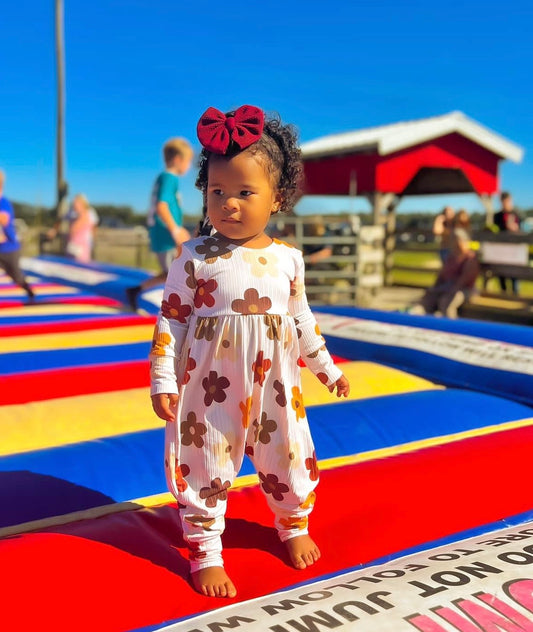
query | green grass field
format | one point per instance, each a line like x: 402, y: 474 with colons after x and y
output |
x: 428, y: 262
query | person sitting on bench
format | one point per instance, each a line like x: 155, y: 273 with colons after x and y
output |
x: 456, y: 281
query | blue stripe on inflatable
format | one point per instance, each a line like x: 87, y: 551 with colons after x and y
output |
x: 23, y: 361
x: 59, y: 480
x: 27, y: 318
x: 371, y: 424
x: 72, y: 478
x: 123, y: 271
x: 111, y: 288
x: 516, y: 334
x: 115, y: 287
x: 517, y: 386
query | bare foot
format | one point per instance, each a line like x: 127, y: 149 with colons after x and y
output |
x: 213, y: 581
x: 302, y: 551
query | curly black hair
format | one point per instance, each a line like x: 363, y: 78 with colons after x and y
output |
x: 278, y: 147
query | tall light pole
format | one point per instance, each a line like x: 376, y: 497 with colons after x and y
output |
x: 61, y: 185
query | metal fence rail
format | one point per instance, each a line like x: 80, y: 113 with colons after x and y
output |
x: 353, y: 270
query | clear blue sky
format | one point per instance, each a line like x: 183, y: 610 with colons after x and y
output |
x: 141, y: 71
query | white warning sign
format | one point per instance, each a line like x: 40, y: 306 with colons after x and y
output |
x: 483, y: 584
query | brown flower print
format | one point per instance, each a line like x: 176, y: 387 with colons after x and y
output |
x: 246, y: 408
x: 217, y: 491
x: 323, y: 378
x: 159, y: 342
x: 281, y: 397
x: 297, y: 288
x: 205, y: 328
x: 273, y: 323
x: 298, y: 331
x: 190, y: 366
x: 203, y: 522
x: 190, y: 281
x: 260, y: 368
x: 173, y: 309
x: 297, y: 402
x: 295, y: 522
x: 271, y: 485
x: 261, y: 263
x: 212, y: 248
x: 214, y: 388
x: 194, y: 552
x: 228, y: 344
x: 251, y: 303
x: 192, y: 431
x: 312, y: 465
x: 264, y: 429
x: 180, y: 471
x: 249, y: 450
x: 314, y: 354
x: 204, y: 293
x: 309, y: 501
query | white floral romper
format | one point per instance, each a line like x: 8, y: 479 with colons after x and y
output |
x: 232, y: 325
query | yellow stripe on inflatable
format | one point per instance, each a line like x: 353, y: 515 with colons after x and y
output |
x: 55, y: 422
x: 367, y: 379
x: 240, y: 482
x: 77, y: 339
x: 370, y: 455
x: 59, y: 309
x: 49, y: 423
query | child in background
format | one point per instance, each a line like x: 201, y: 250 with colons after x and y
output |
x: 10, y: 244
x: 224, y: 362
x: 83, y: 221
x: 165, y: 217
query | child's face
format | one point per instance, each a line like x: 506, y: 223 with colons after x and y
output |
x: 240, y: 198
x: 78, y: 205
x: 180, y: 164
x: 507, y: 203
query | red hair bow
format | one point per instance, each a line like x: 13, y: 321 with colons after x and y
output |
x: 215, y: 130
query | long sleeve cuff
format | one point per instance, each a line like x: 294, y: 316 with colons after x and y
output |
x: 163, y: 375
x: 323, y: 365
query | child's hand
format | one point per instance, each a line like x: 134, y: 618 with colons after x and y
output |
x: 164, y: 405
x: 342, y: 385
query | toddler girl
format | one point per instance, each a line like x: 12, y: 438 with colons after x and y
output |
x: 224, y: 362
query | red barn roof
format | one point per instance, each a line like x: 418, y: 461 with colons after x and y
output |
x: 442, y: 154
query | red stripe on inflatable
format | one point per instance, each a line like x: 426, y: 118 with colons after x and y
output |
x: 130, y: 568
x: 34, y: 386
x: 74, y: 325
x: 339, y: 360
x: 336, y: 359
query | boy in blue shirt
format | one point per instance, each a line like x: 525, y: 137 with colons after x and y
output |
x: 165, y: 217
x: 9, y: 243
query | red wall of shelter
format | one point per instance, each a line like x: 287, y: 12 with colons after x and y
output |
x: 392, y: 173
x: 331, y: 175
x: 480, y: 166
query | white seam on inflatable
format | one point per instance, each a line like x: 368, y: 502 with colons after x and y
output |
x: 482, y: 352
